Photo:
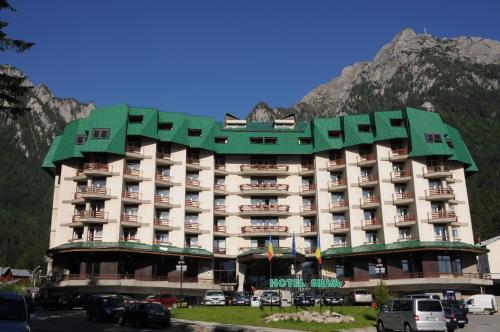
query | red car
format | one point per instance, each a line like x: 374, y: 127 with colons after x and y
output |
x: 168, y: 300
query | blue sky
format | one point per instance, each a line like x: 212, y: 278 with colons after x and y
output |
x: 211, y: 57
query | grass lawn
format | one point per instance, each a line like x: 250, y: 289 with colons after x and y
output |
x: 364, y: 316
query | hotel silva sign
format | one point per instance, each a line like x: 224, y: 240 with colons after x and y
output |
x: 299, y: 283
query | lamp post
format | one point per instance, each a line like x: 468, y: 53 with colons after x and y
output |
x: 181, y: 264
x: 379, y: 267
x: 33, y: 274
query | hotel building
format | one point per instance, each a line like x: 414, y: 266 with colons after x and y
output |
x: 137, y: 190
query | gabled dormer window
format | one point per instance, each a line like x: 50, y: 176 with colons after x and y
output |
x: 334, y: 134
x: 135, y: 118
x: 397, y: 122
x: 80, y: 139
x: 433, y: 138
x: 221, y: 140
x: 263, y: 140
x: 364, y: 128
x: 194, y: 132
x: 165, y: 126
x: 100, y: 133
x: 305, y: 140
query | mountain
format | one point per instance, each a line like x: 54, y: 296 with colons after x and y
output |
x: 459, y: 78
x: 26, y: 195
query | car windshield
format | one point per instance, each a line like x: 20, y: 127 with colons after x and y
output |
x: 12, y: 309
x: 429, y: 306
x: 112, y: 303
x: 361, y: 292
x: 215, y: 294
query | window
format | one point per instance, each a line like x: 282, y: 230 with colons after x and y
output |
x: 449, y: 142
x: 338, y: 218
x: 80, y: 139
x: 404, y: 233
x: 165, y: 125
x: 444, y: 263
x: 334, y: 134
x: 396, y: 122
x: 135, y: 118
x: 194, y: 132
x: 432, y: 138
x: 405, y: 266
x: 78, y: 233
x: 263, y: 140
x: 305, y: 140
x: 372, y: 269
x: 221, y: 139
x: 440, y: 233
x: 340, y: 270
x: 364, y: 128
x: 100, y: 133
x: 371, y: 237
x: 339, y: 240
x: 458, y: 265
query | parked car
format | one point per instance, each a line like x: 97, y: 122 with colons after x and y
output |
x: 166, y: 299
x: 332, y: 298
x: 458, y: 304
x: 214, y: 298
x: 451, y: 319
x: 241, y: 299
x: 58, y: 302
x: 457, y: 315
x: 105, y: 308
x: 304, y: 299
x: 144, y: 314
x: 482, y: 303
x: 186, y: 301
x: 270, y: 298
x: 361, y: 296
x: 255, y: 301
x: 423, y: 296
x: 14, y: 314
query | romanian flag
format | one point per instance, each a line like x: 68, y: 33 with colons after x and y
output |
x: 270, y: 251
x: 318, y: 252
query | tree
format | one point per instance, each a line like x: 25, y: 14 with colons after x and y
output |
x: 12, y: 89
x: 381, y: 294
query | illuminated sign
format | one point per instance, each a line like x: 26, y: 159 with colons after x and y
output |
x: 299, y: 283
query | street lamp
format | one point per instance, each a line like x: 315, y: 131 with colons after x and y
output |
x: 181, y: 266
x: 379, y: 268
x: 33, y: 273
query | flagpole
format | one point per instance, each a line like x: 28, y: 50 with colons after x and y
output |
x: 270, y: 277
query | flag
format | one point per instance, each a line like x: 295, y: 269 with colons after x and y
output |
x: 318, y: 252
x: 294, y: 250
x: 270, y: 251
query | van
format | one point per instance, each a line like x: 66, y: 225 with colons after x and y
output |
x: 411, y: 315
x: 482, y: 303
x: 361, y: 296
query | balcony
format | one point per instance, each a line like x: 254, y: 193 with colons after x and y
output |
x: 367, y: 181
x: 310, y: 230
x: 401, y: 176
x: 369, y: 202
x: 437, y: 172
x: 306, y: 169
x: 407, y: 238
x: 339, y: 245
x: 335, y: 165
x: 193, y: 185
x: 264, y: 169
x: 94, y: 238
x: 264, y: 189
x: 192, y: 206
x: 163, y: 158
x: 192, y: 228
x: 220, y: 189
x: 338, y: 227
x: 265, y: 210
x: 163, y: 224
x: 192, y: 245
x: 367, y: 159
x: 132, y: 175
x: 405, y: 220
x: 337, y: 185
x: 163, y: 180
x: 193, y: 164
x: 339, y: 206
x: 220, y: 230
x: 307, y: 190
x: 398, y: 154
x: 133, y: 151
x: 308, y: 210
x: 441, y: 238
x: 130, y: 238
x: 403, y: 198
x: 162, y: 242
x: 96, y: 169
x: 219, y: 251
x: 131, y: 220
x: 264, y: 230
x: 220, y: 169
x: 163, y: 202
x: 93, y: 193
x: 439, y: 194
x: 90, y: 216
x: 373, y: 241
x: 220, y: 210
x: 131, y: 197
x: 310, y: 251
x: 371, y: 224
x: 442, y: 217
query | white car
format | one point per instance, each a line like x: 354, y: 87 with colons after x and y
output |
x: 214, y: 298
x: 482, y: 303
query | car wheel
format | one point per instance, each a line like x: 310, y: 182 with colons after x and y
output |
x: 408, y: 328
x: 380, y: 326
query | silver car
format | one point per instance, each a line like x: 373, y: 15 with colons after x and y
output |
x: 411, y: 315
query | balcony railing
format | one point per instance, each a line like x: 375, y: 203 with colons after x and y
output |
x: 133, y: 148
x: 371, y: 222
x: 399, y: 152
x: 264, y: 229
x: 367, y: 178
x: 438, y: 168
x: 339, y: 245
x: 264, y: 208
x: 130, y: 238
x: 161, y: 177
x: 191, y: 203
x: 263, y: 248
x: 443, y: 238
x: 220, y: 167
x: 367, y: 157
x: 96, y: 167
x: 219, y: 228
x: 264, y: 167
x: 100, y: 191
x: 310, y: 229
x: 131, y: 218
x: 264, y: 186
x: 191, y: 225
x: 219, y: 208
x: 306, y: 167
x: 92, y: 238
x: 219, y: 250
x: 192, y: 245
x: 309, y: 250
x: 403, y: 195
x: 162, y: 222
x: 307, y: 187
x: 443, y: 215
x: 89, y: 214
x: 132, y: 172
x: 339, y: 204
x: 407, y: 218
x: 407, y: 238
x: 439, y: 191
x: 162, y: 199
x: 193, y: 160
x: 336, y: 163
x: 373, y: 241
x: 164, y: 242
x: 336, y: 225
x: 369, y: 200
x: 131, y: 194
x: 220, y: 187
x: 163, y: 155
x: 401, y: 174
x: 337, y: 183
x: 308, y: 208
x: 193, y: 183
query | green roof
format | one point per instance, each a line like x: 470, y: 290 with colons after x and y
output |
x: 415, y: 244
x: 123, y: 121
x: 134, y: 246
